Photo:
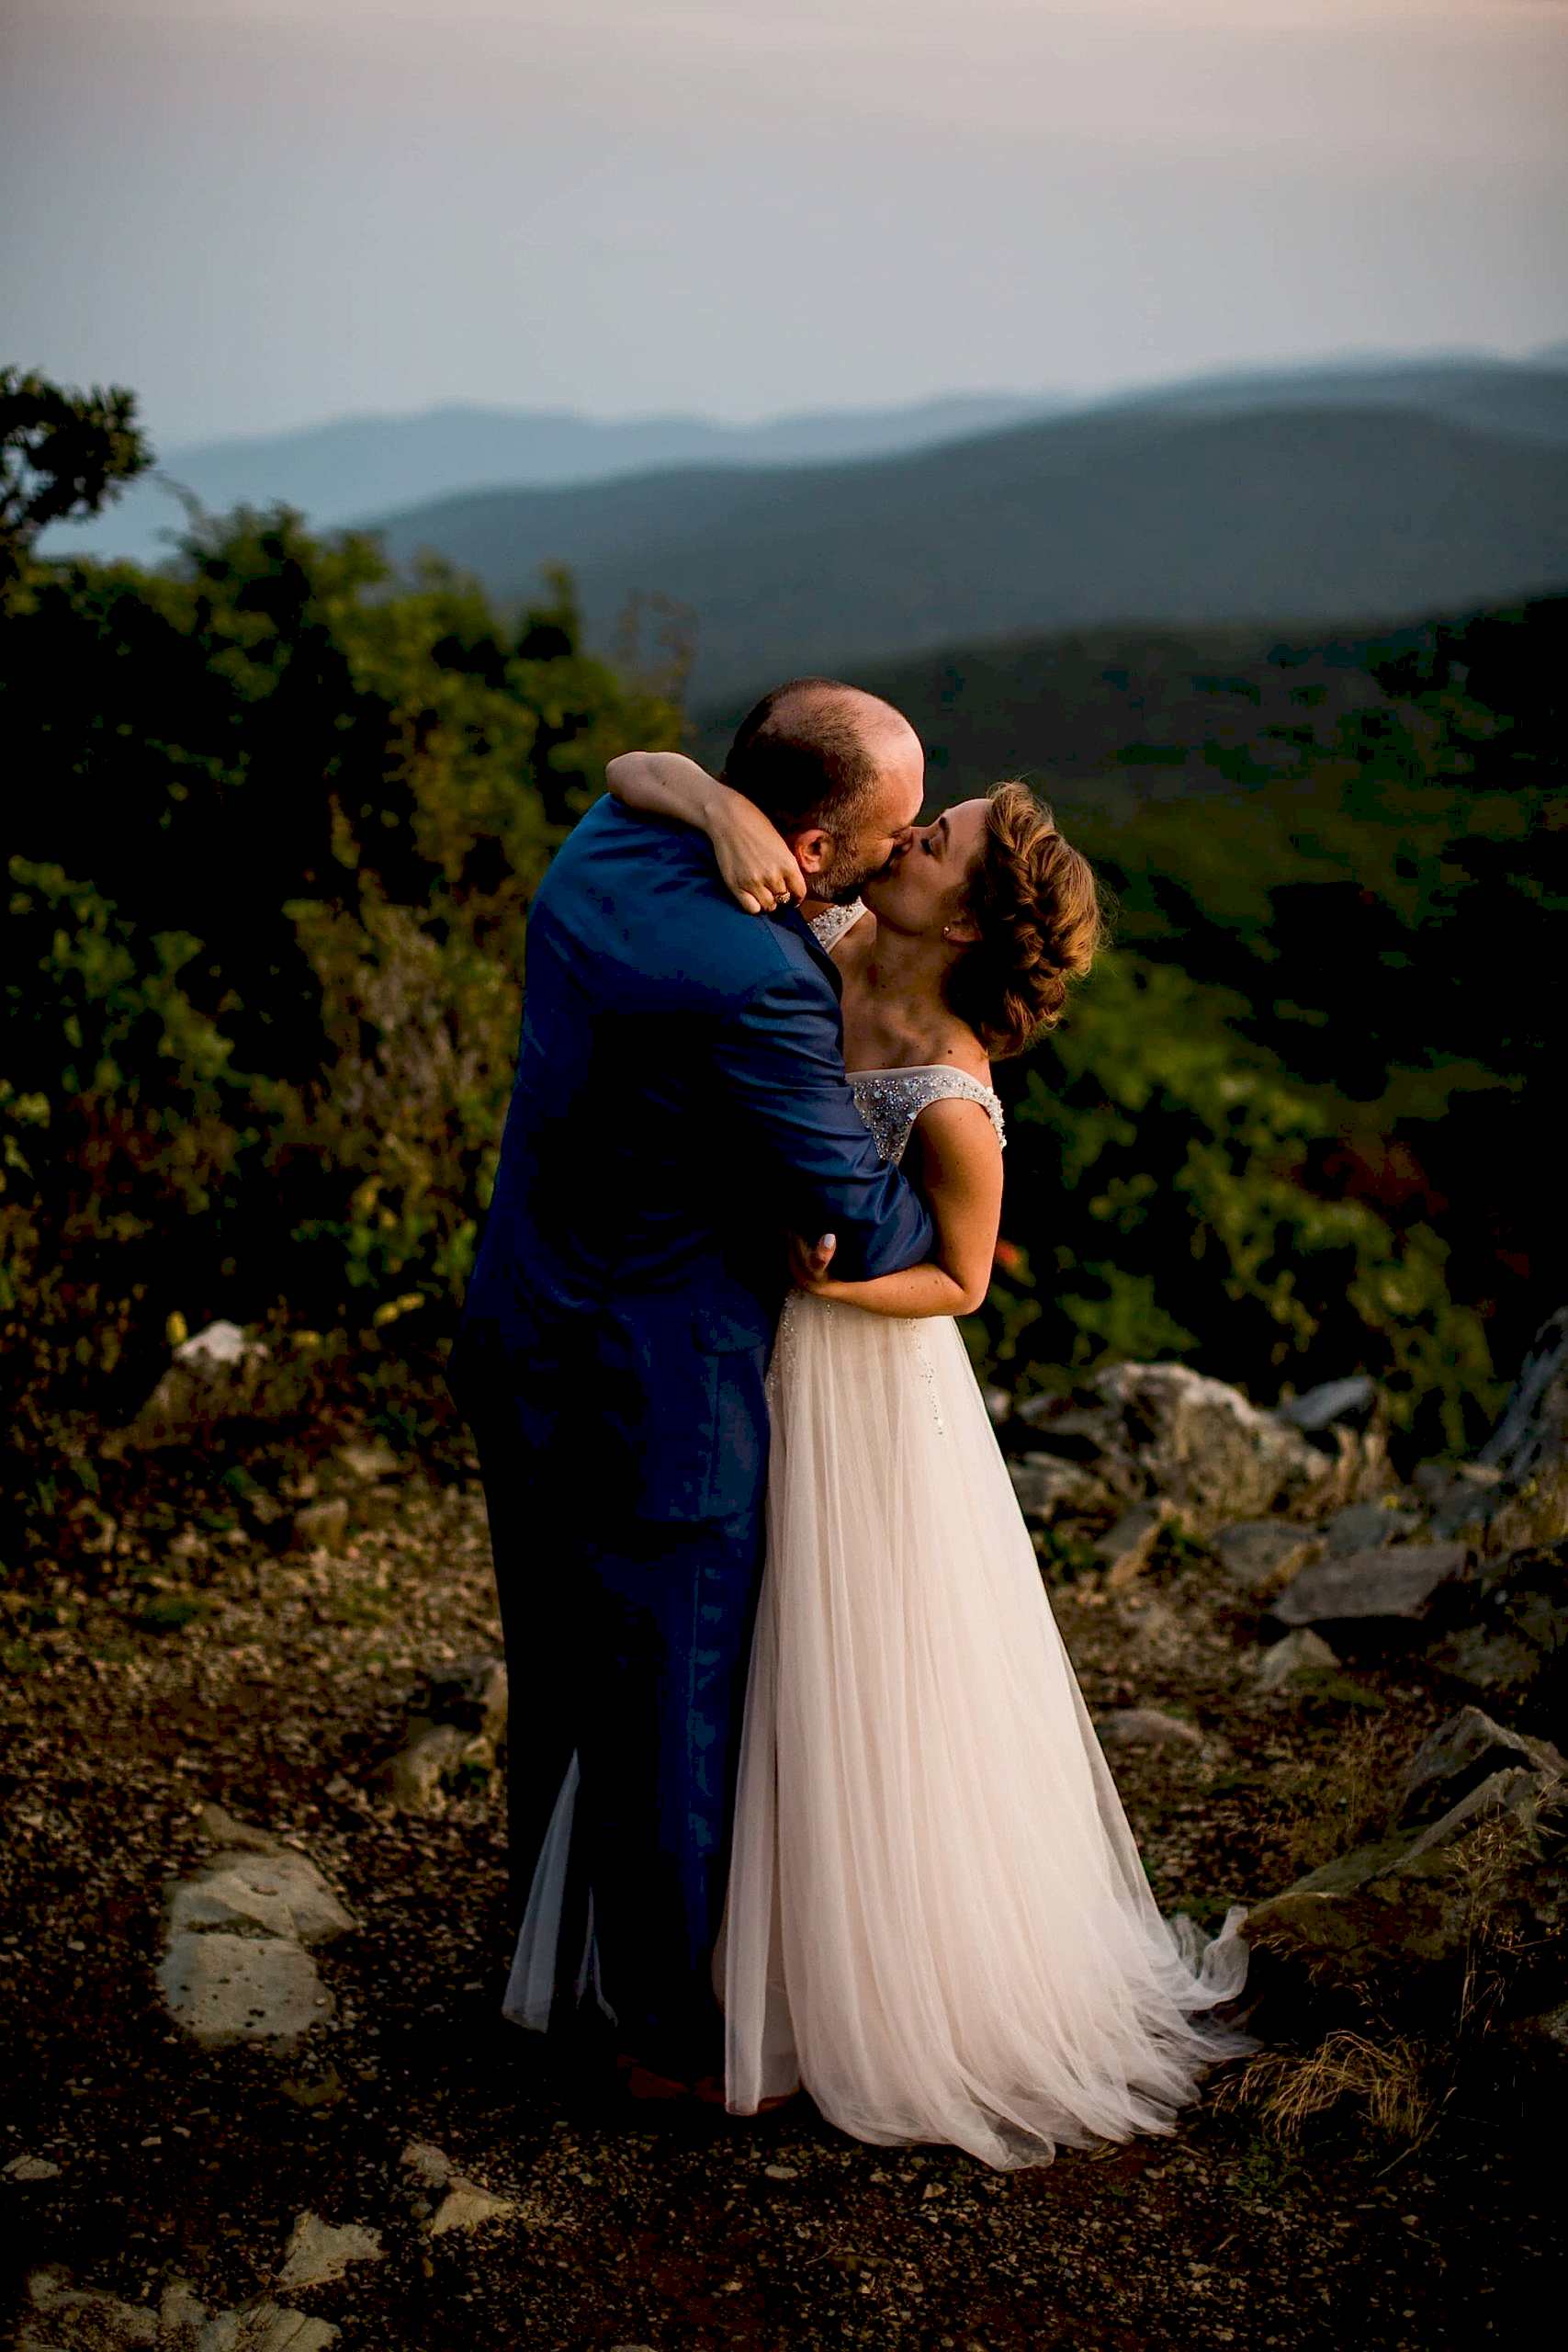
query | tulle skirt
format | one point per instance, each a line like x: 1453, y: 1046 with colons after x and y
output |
x: 937, y: 1919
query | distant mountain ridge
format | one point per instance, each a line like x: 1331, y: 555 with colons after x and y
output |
x: 1283, y: 513
x: 348, y: 468
x: 336, y: 472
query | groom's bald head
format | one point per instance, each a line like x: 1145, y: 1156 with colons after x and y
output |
x: 820, y: 757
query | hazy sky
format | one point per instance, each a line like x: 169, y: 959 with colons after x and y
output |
x: 263, y: 212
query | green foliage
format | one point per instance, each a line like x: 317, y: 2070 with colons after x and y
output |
x: 280, y: 818
x: 62, y: 455
x: 268, y: 888
x: 1304, y: 1120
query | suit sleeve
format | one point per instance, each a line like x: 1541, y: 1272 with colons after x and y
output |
x: 780, y: 1063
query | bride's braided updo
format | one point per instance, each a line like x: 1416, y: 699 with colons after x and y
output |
x: 1037, y: 906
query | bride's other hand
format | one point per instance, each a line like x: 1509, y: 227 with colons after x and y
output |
x: 753, y: 858
x: 809, y: 1261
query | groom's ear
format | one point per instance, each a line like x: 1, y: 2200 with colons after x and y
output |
x: 813, y: 850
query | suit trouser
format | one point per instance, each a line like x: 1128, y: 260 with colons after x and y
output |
x: 628, y: 1643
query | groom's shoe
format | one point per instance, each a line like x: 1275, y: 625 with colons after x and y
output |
x: 641, y: 2082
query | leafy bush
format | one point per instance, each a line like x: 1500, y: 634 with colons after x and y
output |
x: 269, y: 873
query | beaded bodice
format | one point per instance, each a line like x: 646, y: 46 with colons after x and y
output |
x: 890, y: 1101
x: 831, y: 926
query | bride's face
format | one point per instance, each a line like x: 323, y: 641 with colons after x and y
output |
x: 921, y: 892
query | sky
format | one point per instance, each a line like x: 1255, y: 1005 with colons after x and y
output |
x: 262, y: 213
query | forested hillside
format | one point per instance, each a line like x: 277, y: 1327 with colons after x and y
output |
x: 1341, y: 867
x: 269, y: 869
x: 1291, y: 515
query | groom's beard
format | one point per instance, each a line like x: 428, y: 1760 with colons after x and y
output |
x: 842, y: 883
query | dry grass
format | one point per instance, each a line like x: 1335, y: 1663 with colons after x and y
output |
x: 1536, y: 1514
x: 1384, y: 2081
x: 1331, y: 1805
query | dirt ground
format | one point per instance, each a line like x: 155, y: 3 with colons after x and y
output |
x: 197, y: 1666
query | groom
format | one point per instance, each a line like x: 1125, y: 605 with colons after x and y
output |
x: 680, y: 1106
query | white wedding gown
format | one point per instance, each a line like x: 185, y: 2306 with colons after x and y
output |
x: 937, y: 1918
x: 937, y: 1921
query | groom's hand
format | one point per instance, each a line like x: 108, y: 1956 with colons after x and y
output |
x: 809, y: 1260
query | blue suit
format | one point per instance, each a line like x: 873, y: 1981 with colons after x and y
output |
x: 680, y: 1105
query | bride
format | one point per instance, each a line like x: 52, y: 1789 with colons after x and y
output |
x: 937, y: 1921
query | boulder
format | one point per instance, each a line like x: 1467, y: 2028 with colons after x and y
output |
x: 1395, y: 1585
x: 1124, y: 1550
x: 1048, y: 1488
x: 1365, y: 1527
x: 1335, y: 1400
x: 1461, y: 1753
x: 1513, y: 1639
x: 281, y: 1892
x: 1301, y: 1653
x: 1161, y: 1428
x: 1407, y: 1903
x: 1532, y: 1435
x: 223, y: 1987
x: 234, y: 1966
x: 1259, y: 1555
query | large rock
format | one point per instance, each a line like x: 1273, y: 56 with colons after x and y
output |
x: 1531, y: 1436
x: 1395, y: 1585
x: 1391, y: 1911
x: 1259, y: 1555
x: 1049, y: 1488
x: 234, y: 1966
x: 1365, y: 1527
x: 1461, y: 1753
x: 1148, y: 1430
x: 1526, y: 1457
x: 1125, y: 1550
x: 1512, y: 1641
x: 224, y: 1987
x: 282, y: 1892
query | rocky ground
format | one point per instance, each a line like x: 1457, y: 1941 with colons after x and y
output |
x: 408, y: 2171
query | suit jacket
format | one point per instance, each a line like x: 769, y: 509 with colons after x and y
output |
x: 680, y: 1106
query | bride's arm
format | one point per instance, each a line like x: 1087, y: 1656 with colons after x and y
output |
x: 961, y: 1179
x: 753, y: 856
